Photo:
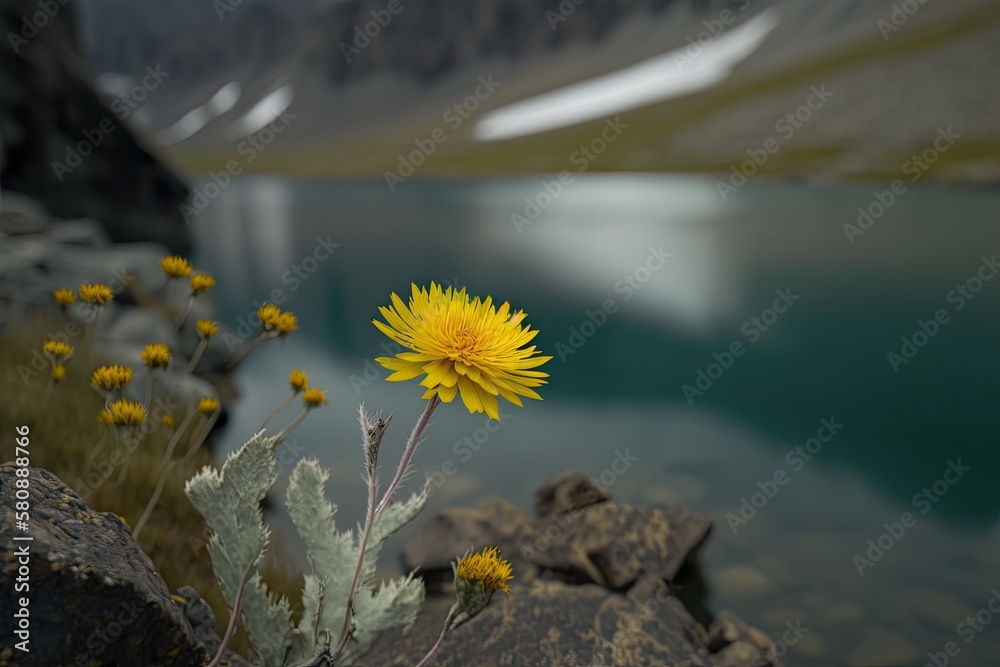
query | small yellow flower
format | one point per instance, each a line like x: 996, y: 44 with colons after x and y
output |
x: 298, y: 380
x: 207, y: 406
x: 268, y: 315
x: 201, y: 282
x: 487, y: 568
x: 95, y: 293
x: 104, y: 416
x: 287, y: 323
x: 64, y: 297
x: 58, y: 372
x: 206, y: 328
x: 111, y: 377
x: 176, y: 267
x: 55, y: 349
x: 127, y: 413
x: 462, y: 346
x: 156, y: 355
x: 168, y: 420
x: 313, y: 398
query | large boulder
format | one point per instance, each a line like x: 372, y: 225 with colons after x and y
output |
x: 93, y: 596
x: 594, y: 584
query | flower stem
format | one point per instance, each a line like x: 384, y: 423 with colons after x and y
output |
x: 278, y: 409
x: 447, y: 623
x: 374, y: 511
x: 202, y: 434
x: 196, y: 357
x: 231, y: 627
x: 182, y: 320
x: 146, y: 513
x: 165, y: 465
x: 149, y: 389
x: 295, y: 422
x: 246, y: 351
x: 411, y: 447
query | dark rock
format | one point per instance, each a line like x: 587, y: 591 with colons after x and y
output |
x: 592, y: 586
x: 453, y: 532
x: 566, y: 492
x: 557, y: 625
x: 613, y: 545
x: 64, y: 147
x: 95, y: 597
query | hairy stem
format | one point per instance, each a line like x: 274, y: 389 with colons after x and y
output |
x: 196, y: 357
x: 447, y: 623
x: 278, y: 409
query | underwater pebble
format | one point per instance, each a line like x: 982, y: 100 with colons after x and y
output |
x: 740, y: 581
x: 883, y: 647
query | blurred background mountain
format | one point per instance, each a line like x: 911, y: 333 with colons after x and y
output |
x: 729, y: 71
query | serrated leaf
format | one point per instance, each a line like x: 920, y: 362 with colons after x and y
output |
x: 331, y: 555
x: 230, y: 502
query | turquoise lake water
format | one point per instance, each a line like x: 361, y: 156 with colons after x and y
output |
x: 810, y: 387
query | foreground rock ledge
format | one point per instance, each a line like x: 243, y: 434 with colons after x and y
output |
x: 592, y: 588
x: 95, y: 598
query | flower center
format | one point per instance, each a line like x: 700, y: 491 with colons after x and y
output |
x: 465, y: 343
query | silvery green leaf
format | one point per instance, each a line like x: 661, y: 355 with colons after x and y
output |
x: 230, y: 502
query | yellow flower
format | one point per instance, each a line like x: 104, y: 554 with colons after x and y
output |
x: 58, y: 372
x: 486, y: 568
x: 168, y: 420
x: 95, y: 293
x: 176, y: 267
x: 464, y: 346
x: 268, y: 315
x: 287, y: 323
x: 207, y: 406
x: 126, y: 413
x: 111, y: 377
x: 206, y: 328
x: 313, y: 398
x: 201, y: 282
x: 156, y: 355
x: 104, y: 416
x: 64, y: 297
x: 55, y: 349
x: 298, y: 380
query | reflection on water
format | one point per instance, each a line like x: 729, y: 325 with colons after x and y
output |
x: 747, y: 373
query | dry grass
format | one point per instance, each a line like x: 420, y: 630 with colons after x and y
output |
x: 66, y: 440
